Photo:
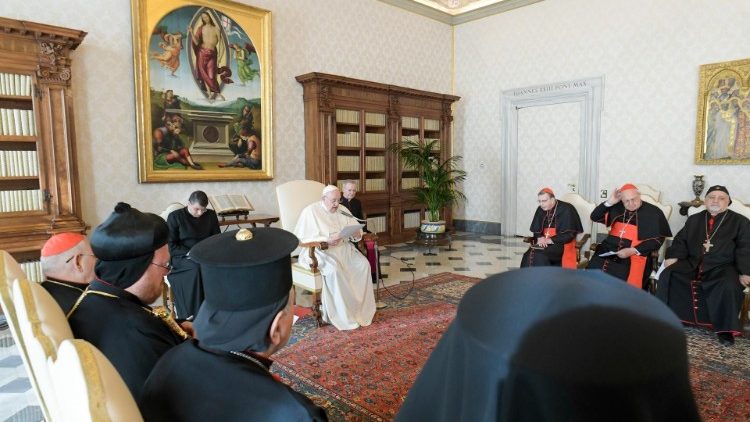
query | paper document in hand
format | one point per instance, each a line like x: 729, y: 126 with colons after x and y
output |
x: 350, y: 231
x: 661, y: 268
x: 606, y: 254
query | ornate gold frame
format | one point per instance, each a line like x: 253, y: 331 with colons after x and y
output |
x: 254, y: 23
x: 710, y: 144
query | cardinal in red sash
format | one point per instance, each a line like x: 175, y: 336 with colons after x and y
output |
x: 636, y: 229
x: 555, y: 227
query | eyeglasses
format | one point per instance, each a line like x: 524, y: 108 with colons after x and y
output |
x: 167, y: 266
x: 80, y: 254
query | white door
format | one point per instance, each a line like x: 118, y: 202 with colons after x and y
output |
x: 549, y: 146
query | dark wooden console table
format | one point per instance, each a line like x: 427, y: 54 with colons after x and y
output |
x: 254, y: 219
x: 433, y: 239
x: 685, y: 205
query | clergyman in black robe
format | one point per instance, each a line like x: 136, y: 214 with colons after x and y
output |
x: 555, y: 226
x: 188, y: 226
x: 245, y: 317
x: 112, y: 313
x: 708, y: 261
x: 353, y: 204
x: 636, y: 228
x: 549, y: 344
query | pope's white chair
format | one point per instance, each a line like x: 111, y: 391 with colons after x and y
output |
x: 293, y: 197
x: 584, y: 209
x: 88, y: 387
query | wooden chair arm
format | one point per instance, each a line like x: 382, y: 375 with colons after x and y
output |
x: 311, y: 250
x: 582, y: 241
x: 370, y: 236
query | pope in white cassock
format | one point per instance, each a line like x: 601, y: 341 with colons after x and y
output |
x: 347, y: 298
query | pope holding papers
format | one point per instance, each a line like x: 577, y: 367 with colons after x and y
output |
x: 347, y: 299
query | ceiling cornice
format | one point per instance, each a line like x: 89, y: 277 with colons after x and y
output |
x: 468, y: 16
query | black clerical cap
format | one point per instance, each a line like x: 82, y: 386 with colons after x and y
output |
x: 246, y: 282
x: 125, y: 243
x: 720, y: 188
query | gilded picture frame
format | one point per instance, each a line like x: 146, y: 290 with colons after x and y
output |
x: 723, y: 121
x: 203, y: 91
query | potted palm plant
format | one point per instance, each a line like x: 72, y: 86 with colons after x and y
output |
x: 439, y: 179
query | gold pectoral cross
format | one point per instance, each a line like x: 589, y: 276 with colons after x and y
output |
x: 622, y: 232
x: 707, y: 244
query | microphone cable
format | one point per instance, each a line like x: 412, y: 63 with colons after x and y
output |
x: 413, y: 280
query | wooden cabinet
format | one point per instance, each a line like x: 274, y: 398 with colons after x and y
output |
x: 349, y: 124
x: 39, y: 193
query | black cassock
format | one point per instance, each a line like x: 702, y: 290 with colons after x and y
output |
x: 702, y: 287
x: 223, y: 387
x: 355, y: 207
x: 647, y: 226
x: 65, y: 293
x: 124, y: 329
x: 184, y: 232
x: 567, y: 224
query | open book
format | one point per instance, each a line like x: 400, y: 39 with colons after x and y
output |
x: 230, y: 204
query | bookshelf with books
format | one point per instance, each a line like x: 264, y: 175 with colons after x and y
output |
x: 350, y: 123
x: 39, y: 193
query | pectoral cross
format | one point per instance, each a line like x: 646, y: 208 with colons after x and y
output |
x: 546, y: 235
x: 707, y: 244
x: 622, y: 232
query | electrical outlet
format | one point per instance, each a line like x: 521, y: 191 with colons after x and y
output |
x: 572, y: 187
x: 604, y: 194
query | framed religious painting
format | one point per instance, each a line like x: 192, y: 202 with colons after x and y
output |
x: 202, y: 91
x: 723, y: 122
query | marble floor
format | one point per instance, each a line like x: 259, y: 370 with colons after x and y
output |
x: 468, y: 254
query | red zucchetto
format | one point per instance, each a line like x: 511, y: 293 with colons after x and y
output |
x: 60, y: 243
x: 628, y: 186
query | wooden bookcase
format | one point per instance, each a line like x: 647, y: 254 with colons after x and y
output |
x: 39, y: 193
x: 349, y: 123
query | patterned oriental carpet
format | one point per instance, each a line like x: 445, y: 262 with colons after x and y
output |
x: 365, y: 374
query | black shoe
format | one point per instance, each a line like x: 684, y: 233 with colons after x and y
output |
x: 727, y: 339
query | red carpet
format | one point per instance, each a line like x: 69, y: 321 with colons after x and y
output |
x: 364, y: 375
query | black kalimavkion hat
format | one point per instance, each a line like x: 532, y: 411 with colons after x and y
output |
x: 246, y: 282
x: 125, y: 243
x: 720, y: 188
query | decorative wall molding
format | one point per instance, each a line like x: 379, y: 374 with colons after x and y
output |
x: 588, y: 93
x: 456, y: 19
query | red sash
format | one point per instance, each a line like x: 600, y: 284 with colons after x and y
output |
x: 569, y: 256
x: 637, y: 262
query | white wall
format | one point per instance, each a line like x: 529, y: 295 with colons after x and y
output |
x: 649, y: 53
x: 363, y: 39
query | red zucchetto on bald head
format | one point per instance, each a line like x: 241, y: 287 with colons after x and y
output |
x: 628, y: 186
x: 60, y: 243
